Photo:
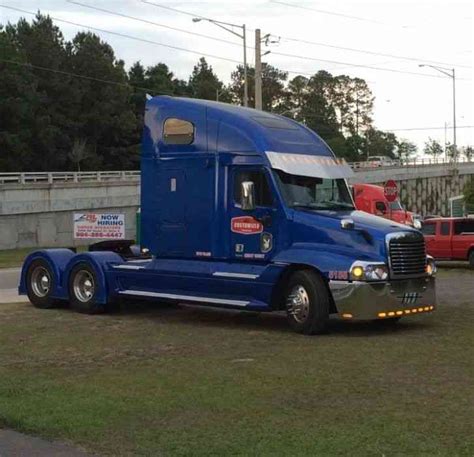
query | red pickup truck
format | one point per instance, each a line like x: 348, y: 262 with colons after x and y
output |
x: 450, y: 238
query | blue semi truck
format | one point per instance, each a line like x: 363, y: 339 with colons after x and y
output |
x: 247, y: 210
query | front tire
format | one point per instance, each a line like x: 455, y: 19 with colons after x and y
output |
x: 83, y: 290
x: 40, y: 284
x: 471, y: 259
x: 307, y: 303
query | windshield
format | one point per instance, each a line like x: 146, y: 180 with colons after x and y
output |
x: 396, y: 206
x: 314, y: 193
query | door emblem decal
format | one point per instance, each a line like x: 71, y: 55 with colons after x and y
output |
x: 266, y: 242
x: 246, y: 225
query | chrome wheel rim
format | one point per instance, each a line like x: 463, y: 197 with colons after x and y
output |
x: 297, y: 303
x: 83, y: 286
x: 40, y: 281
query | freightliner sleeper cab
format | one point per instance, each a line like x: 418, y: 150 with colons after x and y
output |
x: 247, y: 210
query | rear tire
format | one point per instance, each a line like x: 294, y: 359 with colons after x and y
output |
x: 40, y: 284
x: 83, y: 290
x: 307, y: 302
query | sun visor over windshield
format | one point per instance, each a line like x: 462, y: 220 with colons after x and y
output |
x: 310, y: 165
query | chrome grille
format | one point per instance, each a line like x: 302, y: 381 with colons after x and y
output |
x: 407, y: 253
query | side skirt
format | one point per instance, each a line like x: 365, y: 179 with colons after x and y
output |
x: 192, y: 298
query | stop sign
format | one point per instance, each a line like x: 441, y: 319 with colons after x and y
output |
x: 390, y: 190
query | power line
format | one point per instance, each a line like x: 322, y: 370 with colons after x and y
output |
x: 371, y: 67
x: 373, y: 53
x: 331, y: 13
x: 145, y: 21
x: 77, y: 75
x: 430, y: 128
x: 105, y: 81
x: 315, y: 43
x: 124, y: 35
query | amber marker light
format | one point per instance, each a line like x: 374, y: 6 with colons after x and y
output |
x: 382, y: 314
x: 347, y: 316
x: 357, y: 272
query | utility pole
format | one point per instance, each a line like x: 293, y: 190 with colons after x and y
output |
x: 258, y: 70
x: 455, y: 145
x: 246, y: 81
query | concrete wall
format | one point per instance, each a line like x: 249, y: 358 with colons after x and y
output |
x: 425, y: 190
x: 42, y: 214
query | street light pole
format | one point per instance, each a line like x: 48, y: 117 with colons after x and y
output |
x: 226, y: 26
x: 451, y: 72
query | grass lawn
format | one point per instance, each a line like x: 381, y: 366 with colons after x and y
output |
x: 14, y: 257
x: 155, y: 380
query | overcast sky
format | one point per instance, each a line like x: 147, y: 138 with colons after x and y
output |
x: 439, y: 31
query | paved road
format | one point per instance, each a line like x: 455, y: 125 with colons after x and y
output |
x: 9, y: 278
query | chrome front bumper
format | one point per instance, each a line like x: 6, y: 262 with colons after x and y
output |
x: 366, y: 300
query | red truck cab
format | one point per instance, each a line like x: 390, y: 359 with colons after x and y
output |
x: 371, y: 199
x: 450, y: 238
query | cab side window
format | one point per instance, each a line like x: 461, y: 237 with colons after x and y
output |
x: 444, y: 228
x: 464, y: 226
x: 380, y: 207
x: 429, y: 228
x: 263, y: 195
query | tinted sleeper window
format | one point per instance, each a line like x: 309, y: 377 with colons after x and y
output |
x: 178, y: 131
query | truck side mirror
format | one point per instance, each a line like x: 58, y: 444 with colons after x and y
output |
x: 247, y: 196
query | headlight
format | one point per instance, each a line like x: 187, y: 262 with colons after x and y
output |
x: 365, y: 271
x: 417, y: 224
x: 430, y: 266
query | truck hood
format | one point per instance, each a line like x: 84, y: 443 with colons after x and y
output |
x: 322, y: 230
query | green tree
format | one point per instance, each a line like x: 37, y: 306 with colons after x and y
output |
x: 406, y: 149
x: 273, y: 87
x: 18, y: 96
x: 468, y: 152
x: 105, y: 115
x: 433, y: 148
x: 380, y: 143
x: 468, y: 192
x: 353, y: 102
x: 45, y: 135
x: 204, y: 83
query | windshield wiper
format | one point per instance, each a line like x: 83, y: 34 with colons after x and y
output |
x: 339, y: 205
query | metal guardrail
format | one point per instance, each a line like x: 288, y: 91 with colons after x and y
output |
x: 415, y: 162
x: 69, y: 176
x: 134, y: 175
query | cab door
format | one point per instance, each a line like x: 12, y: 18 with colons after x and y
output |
x: 429, y: 232
x: 253, y: 233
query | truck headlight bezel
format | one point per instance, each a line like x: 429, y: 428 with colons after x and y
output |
x: 368, y: 271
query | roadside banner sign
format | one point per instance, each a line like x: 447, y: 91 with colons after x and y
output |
x: 102, y: 226
x: 390, y: 190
